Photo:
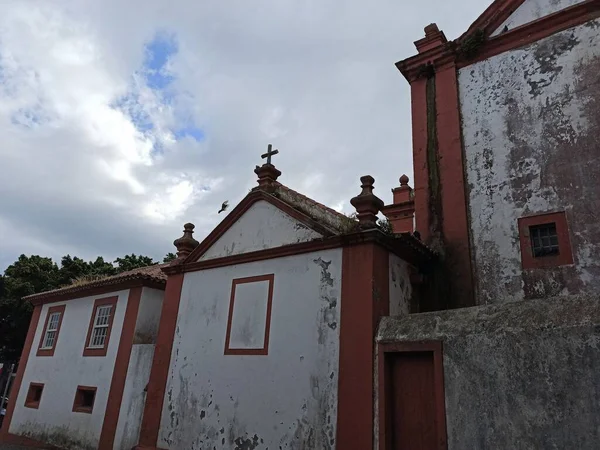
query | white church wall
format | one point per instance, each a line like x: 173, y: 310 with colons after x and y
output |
x: 54, y: 421
x: 400, y: 286
x: 138, y: 371
x: 134, y: 397
x: 261, y: 227
x: 532, y: 10
x: 286, y: 398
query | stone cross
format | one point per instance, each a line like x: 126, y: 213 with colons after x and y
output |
x: 269, y: 154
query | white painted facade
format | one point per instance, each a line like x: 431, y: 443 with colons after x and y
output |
x: 261, y: 227
x: 286, y: 399
x: 517, y: 109
x: 532, y: 10
x: 54, y: 421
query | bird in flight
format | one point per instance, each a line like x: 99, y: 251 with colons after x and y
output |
x: 223, y: 206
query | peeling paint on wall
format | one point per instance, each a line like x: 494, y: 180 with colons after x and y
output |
x: 285, y: 400
x: 531, y: 127
x: 532, y: 10
x: 400, y: 286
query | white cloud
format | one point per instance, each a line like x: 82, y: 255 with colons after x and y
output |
x: 92, y: 162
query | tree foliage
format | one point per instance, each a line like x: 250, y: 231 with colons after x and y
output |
x: 34, y: 274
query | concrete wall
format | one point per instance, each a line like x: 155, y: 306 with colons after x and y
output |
x: 262, y: 226
x: 54, y: 422
x: 522, y: 375
x: 287, y: 399
x: 400, y: 286
x: 530, y: 127
x: 532, y: 10
x: 138, y: 371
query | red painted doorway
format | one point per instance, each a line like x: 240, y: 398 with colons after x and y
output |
x: 412, y: 412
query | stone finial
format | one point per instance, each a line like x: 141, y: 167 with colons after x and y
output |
x: 367, y: 204
x: 267, y: 173
x: 186, y: 243
x: 404, y: 180
x: 433, y: 38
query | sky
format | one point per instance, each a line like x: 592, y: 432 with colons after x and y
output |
x: 121, y: 121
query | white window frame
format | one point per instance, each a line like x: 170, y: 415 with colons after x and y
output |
x: 49, y: 330
x: 98, y: 326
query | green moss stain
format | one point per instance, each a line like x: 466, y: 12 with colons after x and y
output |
x: 433, y: 169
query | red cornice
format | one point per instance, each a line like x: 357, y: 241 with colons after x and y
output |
x: 407, y: 247
x: 443, y: 56
x: 237, y: 212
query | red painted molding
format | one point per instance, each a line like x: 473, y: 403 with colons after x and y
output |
x: 98, y: 303
x: 50, y: 351
x: 117, y: 385
x: 240, y: 209
x: 384, y: 393
x: 265, y: 348
x: 30, y: 402
x: 364, y: 299
x: 78, y: 402
x: 16, y: 388
x: 420, y: 166
x: 565, y: 257
x: 161, y: 363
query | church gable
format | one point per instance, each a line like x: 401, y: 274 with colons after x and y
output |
x: 531, y: 10
x: 261, y: 226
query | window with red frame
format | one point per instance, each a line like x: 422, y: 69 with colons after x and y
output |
x: 101, y: 322
x: 545, y: 241
x: 34, y: 395
x: 51, y: 330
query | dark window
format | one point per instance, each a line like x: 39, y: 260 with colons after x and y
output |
x: 34, y: 395
x: 84, y: 399
x: 544, y: 240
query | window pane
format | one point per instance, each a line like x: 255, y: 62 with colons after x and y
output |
x: 53, y: 321
x: 49, y: 339
x: 99, y: 337
x: 103, y: 315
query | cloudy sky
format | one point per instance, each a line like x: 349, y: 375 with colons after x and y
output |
x: 122, y: 120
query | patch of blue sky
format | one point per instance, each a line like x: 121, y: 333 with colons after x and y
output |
x: 189, y: 131
x: 29, y: 117
x: 130, y: 105
x: 158, y: 52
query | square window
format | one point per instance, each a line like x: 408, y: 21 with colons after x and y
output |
x: 96, y: 343
x: 545, y: 241
x: 51, y: 330
x: 34, y: 395
x: 84, y: 399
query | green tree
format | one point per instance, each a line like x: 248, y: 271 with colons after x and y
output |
x: 133, y: 261
x: 169, y: 257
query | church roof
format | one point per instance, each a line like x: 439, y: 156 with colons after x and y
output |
x: 152, y: 276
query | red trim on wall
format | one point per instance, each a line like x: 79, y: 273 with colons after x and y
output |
x: 161, y: 363
x: 364, y: 299
x: 452, y: 177
x: 30, y: 401
x: 538, y: 29
x: 254, y: 351
x: 565, y: 257
x: 101, y: 351
x: 117, y: 385
x: 240, y: 209
x: 50, y: 351
x: 35, y: 318
x: 384, y: 392
x: 78, y: 400
x: 418, y: 91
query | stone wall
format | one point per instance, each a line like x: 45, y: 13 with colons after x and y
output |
x: 520, y: 375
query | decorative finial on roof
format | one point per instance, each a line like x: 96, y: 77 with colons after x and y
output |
x: 367, y: 204
x: 186, y: 243
x: 401, y: 212
x: 404, y: 180
x: 433, y: 38
x: 267, y: 173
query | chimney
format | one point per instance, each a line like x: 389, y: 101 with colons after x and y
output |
x: 367, y: 204
x: 186, y: 243
x: 401, y: 213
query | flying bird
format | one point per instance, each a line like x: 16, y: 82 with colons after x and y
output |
x: 223, y: 206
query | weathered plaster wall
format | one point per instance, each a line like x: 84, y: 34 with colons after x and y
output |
x: 148, y: 318
x: 55, y: 422
x: 522, y: 375
x: 530, y: 128
x: 400, y: 286
x: 532, y: 10
x: 134, y: 397
x: 262, y: 226
x: 285, y: 400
